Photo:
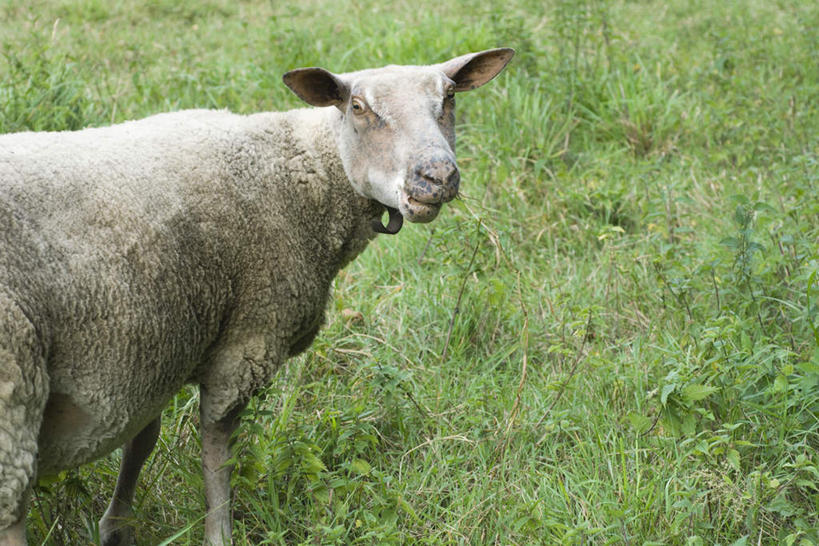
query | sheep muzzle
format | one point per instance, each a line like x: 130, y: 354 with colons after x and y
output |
x: 432, y: 182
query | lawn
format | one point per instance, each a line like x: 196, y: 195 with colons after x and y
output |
x: 611, y: 337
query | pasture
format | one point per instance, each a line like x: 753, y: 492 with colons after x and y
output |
x: 611, y: 337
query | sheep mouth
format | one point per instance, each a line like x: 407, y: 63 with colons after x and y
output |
x: 414, y: 210
x: 418, y: 211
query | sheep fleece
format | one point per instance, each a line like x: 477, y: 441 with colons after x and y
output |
x: 196, y: 246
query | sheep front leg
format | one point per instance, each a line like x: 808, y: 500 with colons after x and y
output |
x: 24, y: 391
x: 14, y: 535
x: 115, y: 525
x: 216, y: 454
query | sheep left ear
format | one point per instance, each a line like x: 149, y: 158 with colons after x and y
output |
x: 317, y: 87
x: 475, y: 69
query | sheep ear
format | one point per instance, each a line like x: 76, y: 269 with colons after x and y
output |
x: 317, y: 86
x: 475, y: 69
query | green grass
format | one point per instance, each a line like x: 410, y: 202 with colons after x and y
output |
x: 626, y: 294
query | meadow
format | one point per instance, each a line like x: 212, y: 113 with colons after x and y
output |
x: 611, y: 337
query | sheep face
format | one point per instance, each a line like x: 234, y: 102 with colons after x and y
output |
x: 396, y: 132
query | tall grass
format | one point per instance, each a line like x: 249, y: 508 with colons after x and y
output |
x: 610, y: 338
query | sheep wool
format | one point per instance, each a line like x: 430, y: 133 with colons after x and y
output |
x: 121, y: 265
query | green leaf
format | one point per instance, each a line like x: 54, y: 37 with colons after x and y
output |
x: 667, y: 389
x: 741, y: 215
x: 782, y: 506
x: 730, y: 242
x: 780, y: 384
x: 640, y: 423
x: 761, y: 206
x: 733, y: 458
x: 406, y: 507
x: 745, y: 339
x: 755, y: 247
x: 360, y: 466
x: 322, y: 494
x: 694, y: 393
x: 312, y: 464
x: 689, y: 424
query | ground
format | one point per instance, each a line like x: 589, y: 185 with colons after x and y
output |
x: 611, y: 337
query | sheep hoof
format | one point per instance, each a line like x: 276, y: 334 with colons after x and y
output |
x: 120, y: 537
x: 116, y: 533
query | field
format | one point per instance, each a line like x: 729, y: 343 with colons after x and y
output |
x: 612, y: 337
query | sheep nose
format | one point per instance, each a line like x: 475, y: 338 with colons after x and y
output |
x: 439, y: 180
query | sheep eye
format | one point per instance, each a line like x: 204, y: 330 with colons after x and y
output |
x: 358, y: 106
x: 449, y: 99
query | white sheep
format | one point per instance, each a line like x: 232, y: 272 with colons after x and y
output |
x: 195, y: 247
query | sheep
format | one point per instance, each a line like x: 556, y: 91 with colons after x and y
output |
x: 196, y: 247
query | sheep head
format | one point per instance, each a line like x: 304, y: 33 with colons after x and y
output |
x: 396, y: 136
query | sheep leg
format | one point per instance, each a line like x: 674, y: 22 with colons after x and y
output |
x: 14, y: 535
x: 216, y: 454
x: 115, y: 525
x: 23, y: 395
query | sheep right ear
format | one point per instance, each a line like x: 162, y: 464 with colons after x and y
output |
x: 475, y: 69
x: 317, y: 86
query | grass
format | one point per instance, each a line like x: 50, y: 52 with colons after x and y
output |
x: 611, y: 338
